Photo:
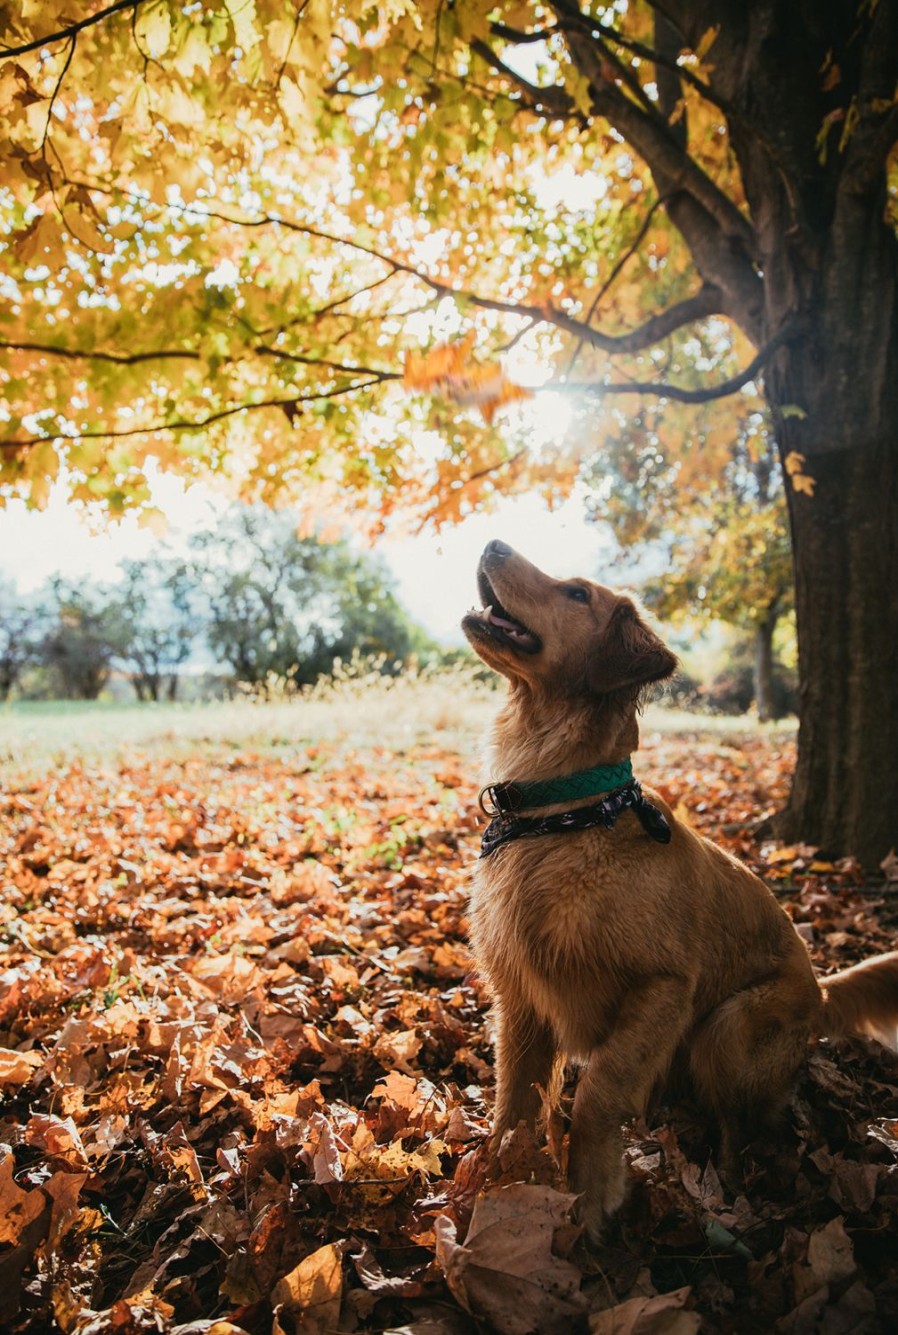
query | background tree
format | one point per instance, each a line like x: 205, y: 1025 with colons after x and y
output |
x: 287, y: 607
x: 226, y: 223
x: 737, y: 569
x: 711, y: 524
x: 161, y: 619
x: 20, y: 619
x: 87, y: 634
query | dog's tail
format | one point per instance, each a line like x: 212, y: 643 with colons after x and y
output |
x: 863, y: 1000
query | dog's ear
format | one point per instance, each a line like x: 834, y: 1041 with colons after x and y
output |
x: 630, y: 654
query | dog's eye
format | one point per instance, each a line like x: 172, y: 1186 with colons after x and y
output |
x: 577, y: 593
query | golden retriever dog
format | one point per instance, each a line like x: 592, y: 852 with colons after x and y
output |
x: 609, y: 933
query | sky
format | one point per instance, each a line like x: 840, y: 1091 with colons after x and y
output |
x: 434, y: 573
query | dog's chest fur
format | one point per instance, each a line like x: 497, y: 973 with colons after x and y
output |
x: 548, y: 930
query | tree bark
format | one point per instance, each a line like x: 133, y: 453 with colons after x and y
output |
x: 763, y: 668
x: 845, y: 539
x: 828, y: 256
x: 843, y: 377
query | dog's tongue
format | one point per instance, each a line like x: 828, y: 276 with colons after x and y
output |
x: 503, y: 622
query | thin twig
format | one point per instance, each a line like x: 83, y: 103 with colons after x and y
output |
x: 198, y: 423
x: 606, y: 286
x: 55, y: 94
x: 71, y: 31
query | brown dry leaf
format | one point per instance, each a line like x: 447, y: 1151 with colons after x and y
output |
x: 663, y: 1314
x: 889, y: 866
x: 506, y: 1270
x: 854, y: 1185
x: 830, y: 1258
x: 17, y: 1068
x: 18, y: 1209
x: 324, y: 1151
x: 58, y: 1136
x: 398, y: 1051
x: 311, y: 1293
x: 64, y: 1190
x: 208, y: 1327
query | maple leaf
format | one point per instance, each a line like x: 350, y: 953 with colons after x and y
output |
x: 17, y: 1068
x: 663, y: 1314
x: 803, y: 482
x: 311, y: 1293
x: 794, y: 465
x: 449, y: 369
x: 506, y: 1269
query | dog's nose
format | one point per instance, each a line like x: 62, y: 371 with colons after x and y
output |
x: 497, y: 548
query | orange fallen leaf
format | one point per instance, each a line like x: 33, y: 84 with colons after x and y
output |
x: 311, y: 1293
x: 17, y: 1068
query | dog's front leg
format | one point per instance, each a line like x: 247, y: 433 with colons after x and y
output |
x: 525, y: 1054
x: 617, y: 1084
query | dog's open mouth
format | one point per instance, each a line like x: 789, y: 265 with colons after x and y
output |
x: 498, y: 624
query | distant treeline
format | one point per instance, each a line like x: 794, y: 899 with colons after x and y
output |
x: 251, y: 604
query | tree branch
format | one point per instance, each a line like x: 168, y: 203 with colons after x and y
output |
x: 198, y: 424
x: 554, y: 101
x: 494, y: 468
x: 609, y: 281
x: 660, y: 59
x: 708, y: 301
x: 133, y: 358
x: 515, y: 37
x: 71, y: 31
x: 119, y: 358
x: 265, y: 350
x: 679, y: 393
x: 668, y: 161
x: 720, y: 237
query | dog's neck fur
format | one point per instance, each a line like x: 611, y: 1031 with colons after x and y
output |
x: 534, y: 737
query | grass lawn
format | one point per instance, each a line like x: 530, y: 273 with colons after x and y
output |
x: 396, y: 714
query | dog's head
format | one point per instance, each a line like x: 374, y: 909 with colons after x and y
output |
x: 567, y: 637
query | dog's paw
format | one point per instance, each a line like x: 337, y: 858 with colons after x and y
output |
x: 597, y: 1204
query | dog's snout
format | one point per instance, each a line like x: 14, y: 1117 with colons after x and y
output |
x: 497, y: 548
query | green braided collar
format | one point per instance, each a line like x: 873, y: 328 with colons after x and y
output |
x: 513, y: 796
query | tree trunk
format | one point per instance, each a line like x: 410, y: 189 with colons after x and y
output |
x: 845, y: 791
x: 834, y: 394
x: 763, y: 671
x: 825, y: 252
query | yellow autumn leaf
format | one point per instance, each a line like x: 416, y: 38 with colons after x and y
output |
x: 794, y: 462
x: 291, y: 99
x: 708, y: 38
x: 152, y: 30
x: 155, y: 520
x: 242, y: 14
x: 311, y: 1292
x: 803, y: 483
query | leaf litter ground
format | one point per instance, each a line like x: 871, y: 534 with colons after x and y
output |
x: 246, y: 1073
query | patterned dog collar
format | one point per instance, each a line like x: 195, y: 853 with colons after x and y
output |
x: 505, y: 827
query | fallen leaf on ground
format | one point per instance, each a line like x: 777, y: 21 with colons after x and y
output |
x: 506, y: 1270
